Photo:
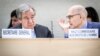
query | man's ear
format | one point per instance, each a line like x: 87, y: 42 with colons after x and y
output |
x: 82, y: 18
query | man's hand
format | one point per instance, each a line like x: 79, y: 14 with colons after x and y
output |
x: 64, y: 24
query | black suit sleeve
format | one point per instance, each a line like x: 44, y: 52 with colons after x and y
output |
x: 49, y: 34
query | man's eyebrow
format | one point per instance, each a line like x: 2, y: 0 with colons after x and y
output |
x: 33, y: 15
x: 25, y: 17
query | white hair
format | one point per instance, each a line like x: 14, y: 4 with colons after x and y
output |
x: 23, y: 8
x: 79, y: 9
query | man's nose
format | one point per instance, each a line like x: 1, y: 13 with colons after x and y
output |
x: 30, y: 21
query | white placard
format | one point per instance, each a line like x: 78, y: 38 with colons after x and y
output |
x: 83, y: 33
x: 16, y: 33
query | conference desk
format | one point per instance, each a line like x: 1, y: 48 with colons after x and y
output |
x: 50, y: 47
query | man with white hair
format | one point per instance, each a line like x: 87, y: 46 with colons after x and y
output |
x: 77, y: 19
x: 26, y: 14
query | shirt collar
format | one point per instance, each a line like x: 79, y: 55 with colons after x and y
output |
x: 84, y: 26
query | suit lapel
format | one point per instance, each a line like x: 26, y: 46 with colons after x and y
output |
x: 37, y: 32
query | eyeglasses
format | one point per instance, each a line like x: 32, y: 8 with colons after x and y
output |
x: 70, y: 16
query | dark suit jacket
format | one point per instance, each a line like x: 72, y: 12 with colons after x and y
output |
x: 94, y: 25
x: 40, y: 31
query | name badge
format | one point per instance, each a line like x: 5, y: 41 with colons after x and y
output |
x: 16, y: 33
x: 83, y: 33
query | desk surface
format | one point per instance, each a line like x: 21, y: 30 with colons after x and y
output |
x: 49, y: 47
